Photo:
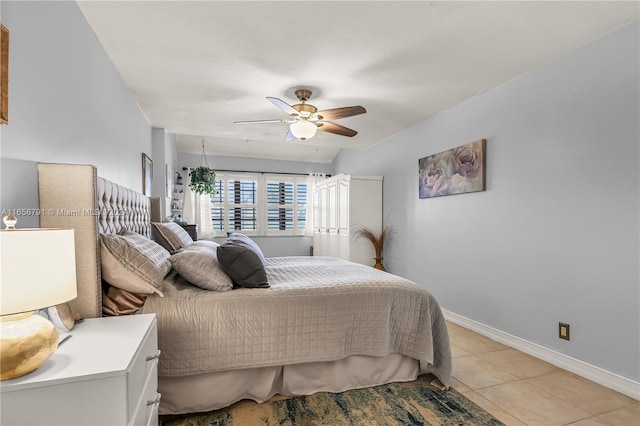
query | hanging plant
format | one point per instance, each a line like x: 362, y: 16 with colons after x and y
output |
x: 203, y: 178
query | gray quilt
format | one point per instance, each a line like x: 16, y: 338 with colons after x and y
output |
x: 317, y: 309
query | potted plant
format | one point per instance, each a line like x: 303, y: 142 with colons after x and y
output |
x: 203, y: 180
x: 377, y: 240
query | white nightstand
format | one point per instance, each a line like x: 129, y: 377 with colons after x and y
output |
x: 106, y: 373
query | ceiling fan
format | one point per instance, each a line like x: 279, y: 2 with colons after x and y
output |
x: 306, y: 120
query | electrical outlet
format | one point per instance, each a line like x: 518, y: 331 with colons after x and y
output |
x: 563, y: 331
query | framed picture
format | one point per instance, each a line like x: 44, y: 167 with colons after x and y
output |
x: 455, y: 171
x: 169, y: 181
x: 147, y: 175
x: 4, y: 75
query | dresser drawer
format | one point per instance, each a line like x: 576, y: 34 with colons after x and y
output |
x: 147, y: 410
x: 152, y: 415
x: 143, y: 367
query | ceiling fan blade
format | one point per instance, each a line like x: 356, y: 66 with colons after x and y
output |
x: 326, y: 126
x: 289, y: 137
x: 337, y: 113
x: 259, y: 121
x: 283, y: 106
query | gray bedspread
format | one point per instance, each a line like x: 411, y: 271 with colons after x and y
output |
x: 317, y: 309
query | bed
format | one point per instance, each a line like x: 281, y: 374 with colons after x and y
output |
x: 323, y: 324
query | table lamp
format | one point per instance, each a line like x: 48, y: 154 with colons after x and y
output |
x: 37, y: 270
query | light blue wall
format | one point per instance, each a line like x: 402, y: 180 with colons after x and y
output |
x: 67, y: 104
x: 556, y: 235
x: 271, y: 246
x: 164, y: 153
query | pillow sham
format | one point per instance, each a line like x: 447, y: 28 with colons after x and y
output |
x: 171, y: 236
x: 198, y: 264
x: 241, y: 258
x: 133, y: 262
x: 116, y: 301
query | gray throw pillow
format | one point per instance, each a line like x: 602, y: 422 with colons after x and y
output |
x: 171, y: 236
x: 249, y: 243
x: 243, y: 261
x: 198, y: 264
x: 133, y: 262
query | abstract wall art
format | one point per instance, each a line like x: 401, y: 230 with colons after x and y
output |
x: 455, y: 171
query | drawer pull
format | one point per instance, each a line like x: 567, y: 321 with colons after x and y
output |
x: 155, y: 356
x: 155, y: 401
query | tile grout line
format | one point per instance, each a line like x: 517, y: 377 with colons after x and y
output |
x: 525, y: 380
x: 567, y: 402
x: 496, y: 404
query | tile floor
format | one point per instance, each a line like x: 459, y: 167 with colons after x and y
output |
x: 519, y: 389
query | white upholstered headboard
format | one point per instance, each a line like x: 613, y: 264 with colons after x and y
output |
x: 72, y: 196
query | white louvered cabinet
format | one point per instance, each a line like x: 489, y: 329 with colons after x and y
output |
x: 106, y: 373
x: 342, y: 204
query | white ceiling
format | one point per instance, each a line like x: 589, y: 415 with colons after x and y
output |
x: 196, y: 67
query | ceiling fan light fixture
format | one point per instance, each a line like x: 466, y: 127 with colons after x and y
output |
x: 306, y: 119
x: 303, y: 129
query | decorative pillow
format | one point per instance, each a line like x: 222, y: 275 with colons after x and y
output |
x: 171, y: 236
x: 243, y: 261
x: 198, y: 264
x: 248, y: 241
x: 116, y: 301
x: 133, y: 262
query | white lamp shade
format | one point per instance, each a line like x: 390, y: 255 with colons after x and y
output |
x: 37, y: 269
x: 303, y: 129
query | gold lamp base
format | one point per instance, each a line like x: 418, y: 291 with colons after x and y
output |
x: 26, y: 341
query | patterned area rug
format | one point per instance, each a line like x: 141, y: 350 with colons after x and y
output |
x: 410, y: 403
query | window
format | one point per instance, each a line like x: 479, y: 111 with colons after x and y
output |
x: 242, y: 205
x: 217, y: 209
x: 286, y: 205
x: 259, y: 204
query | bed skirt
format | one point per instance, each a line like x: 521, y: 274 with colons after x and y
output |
x: 212, y: 391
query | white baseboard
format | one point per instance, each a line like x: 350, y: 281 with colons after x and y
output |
x: 599, y: 375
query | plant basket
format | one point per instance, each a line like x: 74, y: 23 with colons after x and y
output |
x: 203, y: 180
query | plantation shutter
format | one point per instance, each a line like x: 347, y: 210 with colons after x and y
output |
x: 243, y: 209
x: 280, y: 206
x: 259, y: 204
